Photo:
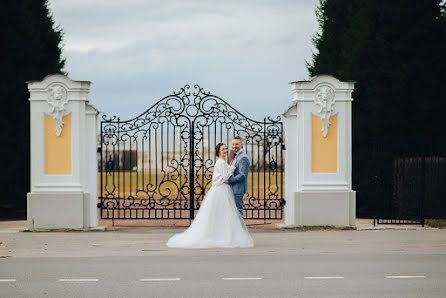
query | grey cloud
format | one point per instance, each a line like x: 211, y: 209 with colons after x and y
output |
x: 136, y: 51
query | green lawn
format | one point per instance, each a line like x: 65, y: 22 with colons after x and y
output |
x: 129, y: 183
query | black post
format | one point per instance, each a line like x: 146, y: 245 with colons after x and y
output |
x: 191, y: 171
x: 102, y: 172
x: 423, y: 182
x: 265, y: 143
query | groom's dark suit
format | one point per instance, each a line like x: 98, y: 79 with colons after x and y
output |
x: 239, y: 180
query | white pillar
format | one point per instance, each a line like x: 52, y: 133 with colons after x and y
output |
x: 63, y: 155
x: 318, y: 189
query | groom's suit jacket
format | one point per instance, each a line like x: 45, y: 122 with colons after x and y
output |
x: 239, y: 180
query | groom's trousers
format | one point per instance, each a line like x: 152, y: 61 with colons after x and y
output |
x: 239, y: 202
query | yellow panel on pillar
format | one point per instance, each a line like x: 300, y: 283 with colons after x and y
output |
x: 324, y: 149
x: 57, y: 148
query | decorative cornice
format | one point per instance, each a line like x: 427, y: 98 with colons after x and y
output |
x: 324, y: 101
x: 57, y: 99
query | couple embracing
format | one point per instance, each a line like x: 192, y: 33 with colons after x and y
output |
x: 219, y: 221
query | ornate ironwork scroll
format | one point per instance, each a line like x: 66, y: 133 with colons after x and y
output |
x: 159, y: 164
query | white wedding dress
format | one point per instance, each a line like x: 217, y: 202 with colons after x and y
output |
x: 218, y: 222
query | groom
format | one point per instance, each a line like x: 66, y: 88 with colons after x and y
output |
x: 239, y: 180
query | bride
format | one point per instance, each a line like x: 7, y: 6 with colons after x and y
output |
x: 218, y: 222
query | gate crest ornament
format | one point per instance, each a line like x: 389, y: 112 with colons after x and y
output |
x: 57, y: 99
x: 324, y: 100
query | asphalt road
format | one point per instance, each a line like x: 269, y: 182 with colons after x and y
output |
x: 283, y: 264
x: 335, y: 275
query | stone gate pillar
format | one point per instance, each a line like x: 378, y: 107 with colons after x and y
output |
x: 318, y: 160
x: 63, y: 155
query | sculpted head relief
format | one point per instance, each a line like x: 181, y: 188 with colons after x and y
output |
x: 57, y: 98
x: 324, y: 100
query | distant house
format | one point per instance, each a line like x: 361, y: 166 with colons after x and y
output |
x: 152, y: 153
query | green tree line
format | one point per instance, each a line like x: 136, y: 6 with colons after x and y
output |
x: 31, y: 49
x: 396, y: 52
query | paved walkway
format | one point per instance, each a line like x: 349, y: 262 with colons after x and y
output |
x: 129, y: 242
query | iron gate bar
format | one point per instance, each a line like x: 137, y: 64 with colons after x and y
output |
x: 191, y: 173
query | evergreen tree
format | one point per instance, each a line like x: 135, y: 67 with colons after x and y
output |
x: 395, y: 50
x: 31, y: 49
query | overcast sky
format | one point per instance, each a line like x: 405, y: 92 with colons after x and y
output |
x: 137, y: 51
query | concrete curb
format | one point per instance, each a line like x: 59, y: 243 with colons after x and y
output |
x: 360, y: 227
x: 282, y: 226
x: 7, y: 227
x: 395, y: 228
x: 94, y: 229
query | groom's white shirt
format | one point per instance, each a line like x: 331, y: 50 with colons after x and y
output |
x: 238, y: 152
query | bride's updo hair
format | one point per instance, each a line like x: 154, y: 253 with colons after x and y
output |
x: 217, y: 149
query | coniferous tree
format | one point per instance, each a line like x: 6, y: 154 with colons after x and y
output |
x: 395, y: 50
x: 31, y: 49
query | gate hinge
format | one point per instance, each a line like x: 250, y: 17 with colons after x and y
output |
x: 283, y: 202
x: 283, y: 146
x: 99, y: 150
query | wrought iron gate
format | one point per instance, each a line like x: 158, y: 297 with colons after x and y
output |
x: 159, y: 164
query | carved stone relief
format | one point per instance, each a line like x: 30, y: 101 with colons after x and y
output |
x: 57, y: 99
x: 324, y: 101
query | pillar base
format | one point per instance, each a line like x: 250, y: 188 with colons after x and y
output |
x: 315, y: 208
x: 58, y: 210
